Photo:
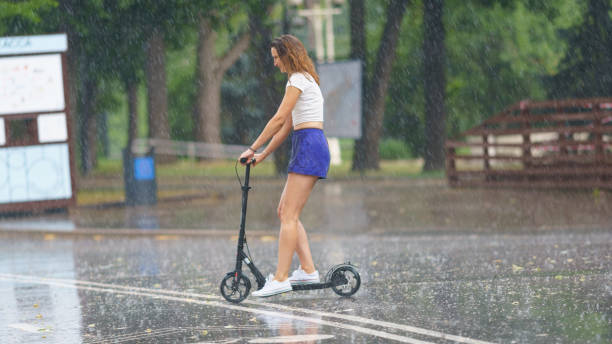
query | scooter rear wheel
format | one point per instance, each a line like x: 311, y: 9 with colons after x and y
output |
x: 235, y: 288
x: 345, y: 280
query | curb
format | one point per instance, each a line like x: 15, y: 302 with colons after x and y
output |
x: 133, y: 232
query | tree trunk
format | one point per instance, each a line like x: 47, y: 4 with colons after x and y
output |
x: 358, y: 51
x: 208, y: 120
x: 92, y: 132
x: 435, y: 84
x: 157, y: 91
x: 358, y: 41
x: 210, y: 70
x: 128, y: 156
x: 132, y: 88
x: 600, y: 52
x: 87, y: 127
x: 374, y: 101
x: 72, y: 63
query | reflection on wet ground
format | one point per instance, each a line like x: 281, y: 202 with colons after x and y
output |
x: 359, y: 206
x: 468, y: 288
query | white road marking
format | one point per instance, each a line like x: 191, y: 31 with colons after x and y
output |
x: 345, y: 317
x: 25, y: 327
x: 381, y: 334
x: 292, y: 339
x: 363, y: 320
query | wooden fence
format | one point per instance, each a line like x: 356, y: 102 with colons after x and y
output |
x: 565, y: 143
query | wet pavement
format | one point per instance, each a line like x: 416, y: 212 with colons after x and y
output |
x: 544, y: 288
x: 350, y: 206
x: 438, y: 265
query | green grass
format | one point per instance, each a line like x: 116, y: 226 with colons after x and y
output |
x: 98, y: 189
x: 388, y: 168
x: 107, y: 167
x: 225, y: 168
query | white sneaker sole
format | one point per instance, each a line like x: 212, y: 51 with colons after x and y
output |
x: 271, y: 292
x: 305, y: 282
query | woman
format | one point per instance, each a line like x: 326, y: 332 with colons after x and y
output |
x: 302, y: 110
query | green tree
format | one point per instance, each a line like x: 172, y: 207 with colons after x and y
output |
x: 586, y: 69
x: 496, y: 54
x: 105, y: 44
x: 28, y: 10
x: 366, y: 155
x: 212, y: 66
x: 262, y: 24
x: 159, y: 21
x: 500, y: 53
x: 84, y: 24
x: 68, y: 16
x: 244, y: 100
x: 121, y: 37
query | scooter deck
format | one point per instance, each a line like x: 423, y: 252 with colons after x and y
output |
x: 311, y: 286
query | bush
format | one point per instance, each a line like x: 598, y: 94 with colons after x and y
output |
x: 393, y: 149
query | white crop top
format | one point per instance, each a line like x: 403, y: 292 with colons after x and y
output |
x: 309, y: 107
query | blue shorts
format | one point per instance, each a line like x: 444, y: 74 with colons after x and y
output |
x: 309, y: 153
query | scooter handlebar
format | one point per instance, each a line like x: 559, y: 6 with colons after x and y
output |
x: 244, y: 161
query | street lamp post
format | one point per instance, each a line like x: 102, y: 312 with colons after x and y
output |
x: 317, y: 16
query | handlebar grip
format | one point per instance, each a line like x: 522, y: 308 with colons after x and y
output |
x: 244, y: 160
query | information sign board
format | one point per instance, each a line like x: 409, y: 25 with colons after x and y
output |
x: 341, y: 88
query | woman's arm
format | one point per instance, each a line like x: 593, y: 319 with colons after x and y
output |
x: 276, y: 123
x: 276, y: 141
x: 278, y: 120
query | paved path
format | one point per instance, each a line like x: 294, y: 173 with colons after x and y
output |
x: 350, y: 206
x: 453, y: 288
x: 438, y: 265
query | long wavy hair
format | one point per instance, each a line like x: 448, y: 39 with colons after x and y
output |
x: 293, y: 55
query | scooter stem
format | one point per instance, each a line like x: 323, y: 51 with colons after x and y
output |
x: 245, y: 197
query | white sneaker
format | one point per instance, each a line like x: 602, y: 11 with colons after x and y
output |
x: 300, y: 277
x: 273, y: 287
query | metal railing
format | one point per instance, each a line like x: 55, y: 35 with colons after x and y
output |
x: 189, y: 149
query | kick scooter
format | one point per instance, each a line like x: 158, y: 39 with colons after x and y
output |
x: 235, y: 286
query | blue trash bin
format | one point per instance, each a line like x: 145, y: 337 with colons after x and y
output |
x: 139, y: 177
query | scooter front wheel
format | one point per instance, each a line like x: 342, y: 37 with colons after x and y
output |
x: 345, y: 280
x: 235, y: 287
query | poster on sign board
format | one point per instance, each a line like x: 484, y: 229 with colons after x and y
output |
x: 31, y: 84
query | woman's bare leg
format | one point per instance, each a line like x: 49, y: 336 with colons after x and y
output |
x: 294, y: 197
x: 303, y: 250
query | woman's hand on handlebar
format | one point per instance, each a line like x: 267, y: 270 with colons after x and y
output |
x: 246, y: 156
x: 259, y: 158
